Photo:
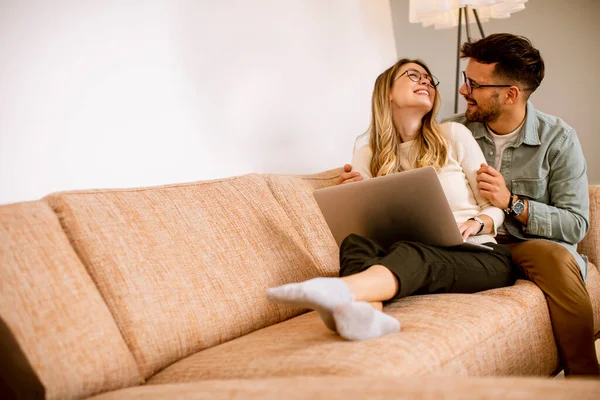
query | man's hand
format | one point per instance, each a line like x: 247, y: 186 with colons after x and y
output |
x: 468, y: 228
x: 348, y: 176
x: 492, y: 186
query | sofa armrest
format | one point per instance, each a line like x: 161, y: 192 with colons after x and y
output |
x: 590, y: 245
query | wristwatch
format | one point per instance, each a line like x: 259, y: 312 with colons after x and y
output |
x: 515, y: 208
x: 518, y: 207
x: 477, y: 219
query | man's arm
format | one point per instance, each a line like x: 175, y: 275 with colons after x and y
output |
x: 567, y: 217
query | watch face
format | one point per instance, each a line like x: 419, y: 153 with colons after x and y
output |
x: 518, y: 207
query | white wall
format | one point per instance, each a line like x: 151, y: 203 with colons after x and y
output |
x: 567, y: 33
x: 121, y: 93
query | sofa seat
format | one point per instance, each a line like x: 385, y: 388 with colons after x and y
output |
x: 345, y: 388
x: 497, y: 332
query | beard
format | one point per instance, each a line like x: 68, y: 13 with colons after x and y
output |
x: 489, y: 113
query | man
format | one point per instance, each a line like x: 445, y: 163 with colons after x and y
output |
x: 536, y: 172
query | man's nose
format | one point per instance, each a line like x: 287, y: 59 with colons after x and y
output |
x: 463, y: 90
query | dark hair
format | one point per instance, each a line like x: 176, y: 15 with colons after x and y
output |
x: 517, y: 60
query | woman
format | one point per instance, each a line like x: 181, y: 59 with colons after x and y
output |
x: 404, y: 135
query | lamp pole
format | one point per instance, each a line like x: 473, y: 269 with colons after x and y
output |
x: 458, y: 43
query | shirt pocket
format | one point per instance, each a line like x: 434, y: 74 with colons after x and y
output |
x: 532, y: 188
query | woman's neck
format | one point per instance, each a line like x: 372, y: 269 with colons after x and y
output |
x: 407, y: 123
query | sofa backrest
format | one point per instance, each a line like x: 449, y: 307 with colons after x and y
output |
x: 53, y: 309
x: 590, y: 245
x: 294, y: 194
x: 185, y: 267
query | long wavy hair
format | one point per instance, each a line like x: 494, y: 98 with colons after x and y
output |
x: 431, y: 143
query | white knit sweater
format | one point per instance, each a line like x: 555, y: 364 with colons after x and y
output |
x: 458, y: 177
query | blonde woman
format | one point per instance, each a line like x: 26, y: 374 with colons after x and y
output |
x: 404, y: 135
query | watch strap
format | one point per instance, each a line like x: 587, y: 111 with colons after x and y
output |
x: 510, y: 201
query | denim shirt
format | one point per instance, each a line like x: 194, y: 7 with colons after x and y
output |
x: 546, y: 166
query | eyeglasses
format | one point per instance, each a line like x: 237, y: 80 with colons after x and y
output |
x: 474, y: 85
x: 417, y: 76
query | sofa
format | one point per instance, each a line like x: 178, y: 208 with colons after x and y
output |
x: 159, y: 292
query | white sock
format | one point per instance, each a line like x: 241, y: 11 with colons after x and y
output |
x: 319, y: 294
x: 360, y: 321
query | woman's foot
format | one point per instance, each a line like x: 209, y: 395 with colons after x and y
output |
x: 319, y: 294
x: 360, y: 321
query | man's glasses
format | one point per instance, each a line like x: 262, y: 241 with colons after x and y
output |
x: 474, y: 85
x: 416, y: 76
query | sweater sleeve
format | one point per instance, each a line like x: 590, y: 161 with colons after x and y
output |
x: 361, y: 161
x: 470, y: 157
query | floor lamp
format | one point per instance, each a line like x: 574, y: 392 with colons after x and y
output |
x: 463, y: 10
x: 450, y: 13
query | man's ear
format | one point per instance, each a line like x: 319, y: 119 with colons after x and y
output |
x: 512, y: 94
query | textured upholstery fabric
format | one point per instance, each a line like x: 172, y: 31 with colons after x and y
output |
x: 593, y: 288
x: 185, y: 267
x: 54, y: 310
x: 384, y: 388
x: 590, y: 245
x: 497, y: 332
x: 294, y: 194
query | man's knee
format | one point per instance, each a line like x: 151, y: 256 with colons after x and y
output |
x: 553, y: 268
x: 542, y: 252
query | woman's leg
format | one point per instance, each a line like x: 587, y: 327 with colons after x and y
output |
x: 411, y: 268
x: 374, y: 285
x: 414, y: 268
x: 371, y: 275
x: 324, y: 294
x: 367, y: 280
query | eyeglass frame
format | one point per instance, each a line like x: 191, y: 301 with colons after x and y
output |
x: 430, y: 79
x: 474, y: 85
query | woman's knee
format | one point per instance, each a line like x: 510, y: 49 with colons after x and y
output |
x: 352, y: 240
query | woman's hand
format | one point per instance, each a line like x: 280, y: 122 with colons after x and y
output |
x: 468, y: 228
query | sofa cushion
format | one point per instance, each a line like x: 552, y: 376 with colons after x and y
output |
x: 383, y: 388
x: 294, y: 194
x: 504, y: 331
x: 497, y: 332
x: 185, y: 267
x: 590, y: 245
x: 55, y: 311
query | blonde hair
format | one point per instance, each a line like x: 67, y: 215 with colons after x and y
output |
x: 431, y: 143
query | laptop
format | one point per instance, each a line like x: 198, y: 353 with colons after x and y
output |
x: 409, y: 205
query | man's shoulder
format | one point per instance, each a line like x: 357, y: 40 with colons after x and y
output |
x: 551, y: 124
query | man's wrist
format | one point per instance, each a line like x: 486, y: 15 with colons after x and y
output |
x: 511, y: 199
x: 518, y: 206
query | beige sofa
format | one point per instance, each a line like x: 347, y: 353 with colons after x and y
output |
x: 159, y: 292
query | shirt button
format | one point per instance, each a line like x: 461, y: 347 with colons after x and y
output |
x: 491, y: 153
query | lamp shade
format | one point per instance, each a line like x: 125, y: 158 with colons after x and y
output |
x: 444, y: 13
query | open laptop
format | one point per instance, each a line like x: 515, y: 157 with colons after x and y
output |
x: 409, y: 205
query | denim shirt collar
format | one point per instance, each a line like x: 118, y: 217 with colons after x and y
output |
x: 529, y: 134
